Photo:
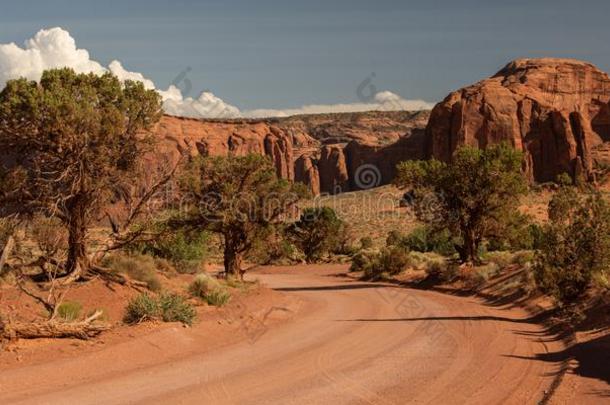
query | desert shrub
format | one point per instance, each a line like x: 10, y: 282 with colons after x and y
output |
x: 393, y: 260
x: 485, y: 272
x: 500, y: 258
x: 318, y: 231
x: 442, y: 270
x: 426, y: 239
x: 167, y: 307
x: 140, y: 309
x: 209, y: 289
x: 218, y: 298
x: 576, y: 244
x: 175, y: 308
x: 394, y: 238
x: 363, y: 261
x: 523, y: 257
x: 536, y: 232
x: 366, y: 243
x: 184, y: 249
x: 388, y: 262
x: 202, y: 284
x: 274, y: 248
x: 164, y: 266
x: 188, y: 266
x: 514, y: 232
x: 138, y: 267
x: 601, y: 280
x: 69, y: 311
x: 470, y: 196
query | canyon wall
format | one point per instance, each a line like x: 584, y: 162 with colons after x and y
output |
x: 323, y: 151
x: 555, y: 110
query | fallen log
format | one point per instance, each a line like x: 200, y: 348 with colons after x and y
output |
x: 85, y: 329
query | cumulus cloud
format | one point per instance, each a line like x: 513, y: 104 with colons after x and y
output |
x: 55, y: 48
x: 383, y: 101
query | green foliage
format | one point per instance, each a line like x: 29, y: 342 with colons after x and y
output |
x: 576, y: 244
x: 141, y: 309
x: 76, y: 140
x: 167, y: 307
x: 363, y: 261
x: 427, y: 239
x: 218, y: 298
x: 366, y: 243
x: 174, y: 308
x: 470, y: 197
x: 318, y: 232
x: 275, y: 248
x: 238, y: 197
x: 515, y: 232
x: 138, y: 267
x: 69, y: 311
x: 393, y: 260
x: 210, y: 290
x: 178, y: 246
x: 389, y: 261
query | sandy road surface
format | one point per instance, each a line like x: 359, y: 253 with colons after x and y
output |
x: 358, y: 343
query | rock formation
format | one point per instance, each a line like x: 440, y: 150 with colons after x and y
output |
x: 323, y: 151
x: 555, y: 110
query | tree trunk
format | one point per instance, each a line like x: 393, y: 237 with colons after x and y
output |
x: 6, y: 252
x: 77, y: 262
x: 232, y: 261
x: 470, y: 249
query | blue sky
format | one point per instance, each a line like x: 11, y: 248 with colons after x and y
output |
x: 282, y: 54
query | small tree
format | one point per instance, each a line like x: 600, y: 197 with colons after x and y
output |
x: 470, y: 196
x: 317, y: 232
x: 74, y: 139
x: 240, y: 198
x: 575, y: 244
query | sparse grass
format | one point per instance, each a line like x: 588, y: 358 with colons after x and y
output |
x: 174, y: 308
x: 218, y: 297
x: 141, y: 309
x: 69, y: 311
x: 167, y: 307
x: 210, y: 290
x: 138, y: 267
x: 188, y: 266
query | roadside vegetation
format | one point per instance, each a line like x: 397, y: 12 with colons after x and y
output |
x: 71, y: 216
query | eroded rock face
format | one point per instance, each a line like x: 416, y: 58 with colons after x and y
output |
x: 555, y: 110
x: 323, y: 151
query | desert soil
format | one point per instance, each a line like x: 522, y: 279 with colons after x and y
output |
x: 326, y: 339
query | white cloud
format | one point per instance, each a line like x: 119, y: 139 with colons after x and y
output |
x: 55, y: 48
x: 383, y: 101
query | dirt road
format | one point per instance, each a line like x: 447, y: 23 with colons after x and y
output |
x: 353, y: 343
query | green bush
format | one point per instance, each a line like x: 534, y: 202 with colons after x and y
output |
x: 426, y: 239
x: 318, y: 231
x: 218, y: 297
x: 394, y: 238
x: 69, y: 311
x: 209, y: 289
x: 167, y: 307
x: 174, y: 308
x: 363, y: 261
x: 576, y: 244
x: 138, y: 267
x: 388, y: 262
x: 202, y: 284
x: 366, y: 243
x: 182, y: 248
x: 141, y: 309
x: 188, y: 266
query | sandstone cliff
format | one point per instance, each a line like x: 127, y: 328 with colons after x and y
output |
x: 555, y: 110
x: 323, y: 151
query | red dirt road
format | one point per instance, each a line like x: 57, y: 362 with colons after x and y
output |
x: 352, y: 343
